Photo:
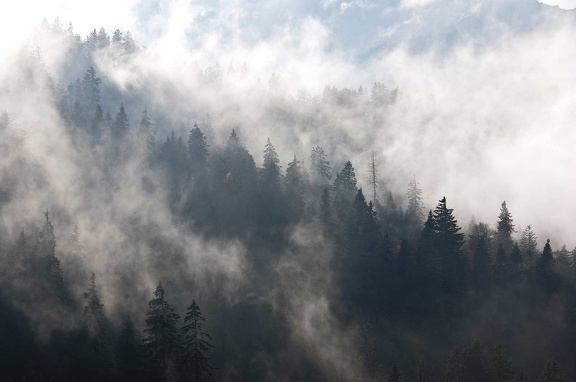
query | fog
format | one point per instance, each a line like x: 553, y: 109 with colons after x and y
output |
x: 484, y: 113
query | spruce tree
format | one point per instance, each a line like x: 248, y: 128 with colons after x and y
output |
x: 197, y: 148
x: 454, y: 371
x: 345, y: 182
x: 394, y: 375
x: 481, y: 263
x: 147, y: 133
x: 129, y: 353
x: 161, y: 341
x: 546, y: 258
x: 500, y: 367
x: 97, y: 125
x: 270, y: 172
x: 505, y: 228
x: 120, y: 124
x: 195, y: 346
x: 415, y: 209
x: 529, y: 245
x: 551, y: 372
x: 47, y: 261
x: 422, y: 371
x: 94, y: 317
x: 319, y: 167
x: 448, y: 242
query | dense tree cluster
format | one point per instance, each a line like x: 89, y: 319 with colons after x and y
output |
x: 408, y: 272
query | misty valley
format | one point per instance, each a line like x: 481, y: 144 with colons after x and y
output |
x: 161, y: 220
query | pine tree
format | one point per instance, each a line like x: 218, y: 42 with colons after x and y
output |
x: 94, y: 317
x: 449, y: 241
x: 422, y: 371
x: 91, y: 88
x: 546, y: 258
x: 528, y: 244
x: 196, y: 344
x: 197, y: 148
x: 373, y: 178
x: 161, y: 341
x: 505, y: 228
x: 120, y: 124
x: 97, y: 125
x: 500, y: 367
x: 319, y: 167
x: 415, y: 209
x: 394, y: 375
x: 454, y: 367
x: 270, y: 173
x: 208, y: 130
x: 295, y: 186
x: 147, y: 133
x: 473, y: 369
x: 345, y: 182
x: 129, y: 353
x: 551, y: 372
x: 48, y: 263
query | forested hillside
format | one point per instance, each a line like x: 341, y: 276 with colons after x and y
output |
x: 244, y: 232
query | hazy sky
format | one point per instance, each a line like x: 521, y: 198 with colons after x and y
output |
x: 465, y: 69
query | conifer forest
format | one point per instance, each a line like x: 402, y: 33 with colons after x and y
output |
x: 341, y: 191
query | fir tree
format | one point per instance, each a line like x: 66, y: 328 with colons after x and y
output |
x: 195, y: 346
x: 449, y: 241
x: 551, y: 373
x: 454, y: 367
x: 270, y: 174
x: 546, y: 258
x: 94, y: 317
x: 120, y: 124
x: 505, y: 228
x: 91, y: 88
x: 319, y: 167
x: 345, y: 182
x: 97, y: 125
x: 129, y: 353
x: 422, y: 371
x: 161, y: 341
x: 414, y: 211
x: 528, y: 244
x: 197, y: 148
x: 394, y: 375
x: 147, y: 133
x: 48, y: 262
x: 500, y: 367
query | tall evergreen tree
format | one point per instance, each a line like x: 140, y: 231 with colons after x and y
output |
x: 500, y: 367
x: 319, y: 167
x: 91, y: 88
x: 195, y: 346
x: 129, y: 353
x: 147, y: 133
x: 481, y: 263
x: 394, y: 375
x: 197, y: 148
x: 415, y: 209
x: 505, y: 228
x: 270, y: 173
x: 120, y: 124
x: 97, y: 125
x: 94, y: 317
x: 529, y: 245
x: 161, y: 341
x: 345, y: 182
x: 449, y: 241
x: 546, y: 258
x: 48, y: 263
x: 551, y: 373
